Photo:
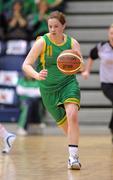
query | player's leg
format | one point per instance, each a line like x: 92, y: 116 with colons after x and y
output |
x: 23, y: 118
x: 108, y: 92
x: 73, y: 135
x: 8, y: 139
x: 73, y: 125
x: 111, y: 125
x: 70, y: 97
x: 64, y: 127
x: 55, y: 107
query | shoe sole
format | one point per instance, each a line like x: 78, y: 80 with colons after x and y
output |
x: 74, y: 167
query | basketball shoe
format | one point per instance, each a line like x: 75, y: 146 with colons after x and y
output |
x: 73, y: 163
x: 22, y: 132
x: 8, y: 142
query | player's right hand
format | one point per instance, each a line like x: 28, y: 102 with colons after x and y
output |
x: 85, y: 74
x: 42, y: 74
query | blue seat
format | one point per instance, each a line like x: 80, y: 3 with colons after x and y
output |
x: 11, y: 62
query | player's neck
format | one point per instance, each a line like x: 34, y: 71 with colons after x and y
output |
x: 57, y: 39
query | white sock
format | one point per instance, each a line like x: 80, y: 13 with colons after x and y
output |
x: 73, y: 150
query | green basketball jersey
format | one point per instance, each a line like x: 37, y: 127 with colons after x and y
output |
x: 48, y: 60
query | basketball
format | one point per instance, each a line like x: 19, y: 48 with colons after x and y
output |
x: 69, y: 62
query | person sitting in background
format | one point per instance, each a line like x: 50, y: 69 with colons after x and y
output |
x: 37, y: 21
x: 8, y: 139
x: 31, y: 107
x: 3, y: 23
x: 28, y: 7
x: 56, y: 5
x: 2, y: 35
x: 17, y: 25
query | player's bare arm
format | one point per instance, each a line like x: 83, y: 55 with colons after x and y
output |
x: 30, y: 60
x: 87, y: 68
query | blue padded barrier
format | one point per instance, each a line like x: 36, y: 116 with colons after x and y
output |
x: 9, y: 114
x: 12, y: 55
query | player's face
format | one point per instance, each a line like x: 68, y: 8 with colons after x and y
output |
x: 55, y: 27
x: 110, y: 35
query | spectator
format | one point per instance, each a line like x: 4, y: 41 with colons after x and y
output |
x: 56, y: 5
x: 2, y: 27
x: 29, y: 7
x: 7, y: 7
x: 3, y: 24
x: 38, y: 20
x: 31, y: 109
x: 104, y: 52
x: 17, y: 25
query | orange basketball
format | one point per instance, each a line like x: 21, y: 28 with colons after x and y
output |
x: 69, y: 62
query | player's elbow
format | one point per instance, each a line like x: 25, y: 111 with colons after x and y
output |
x: 24, y: 67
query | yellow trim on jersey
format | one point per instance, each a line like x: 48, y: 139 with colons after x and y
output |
x: 61, y: 44
x: 73, y: 100
x: 51, y: 51
x: 47, y: 50
x: 62, y: 121
x: 72, y: 42
x: 42, y: 59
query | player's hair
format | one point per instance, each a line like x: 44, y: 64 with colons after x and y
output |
x: 58, y: 15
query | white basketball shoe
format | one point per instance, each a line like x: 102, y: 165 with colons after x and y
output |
x: 8, y: 142
x: 73, y: 163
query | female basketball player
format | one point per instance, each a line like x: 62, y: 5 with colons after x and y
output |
x: 104, y: 52
x: 60, y: 93
x: 8, y: 139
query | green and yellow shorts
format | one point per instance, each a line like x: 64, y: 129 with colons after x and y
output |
x: 54, y: 101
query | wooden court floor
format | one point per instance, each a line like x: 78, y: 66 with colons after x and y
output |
x: 45, y: 158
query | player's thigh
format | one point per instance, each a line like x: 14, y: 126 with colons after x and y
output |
x: 58, y: 113
x: 50, y: 101
x: 71, y: 93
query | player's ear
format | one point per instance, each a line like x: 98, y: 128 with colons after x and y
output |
x: 64, y: 26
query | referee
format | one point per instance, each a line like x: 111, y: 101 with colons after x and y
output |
x: 104, y: 52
